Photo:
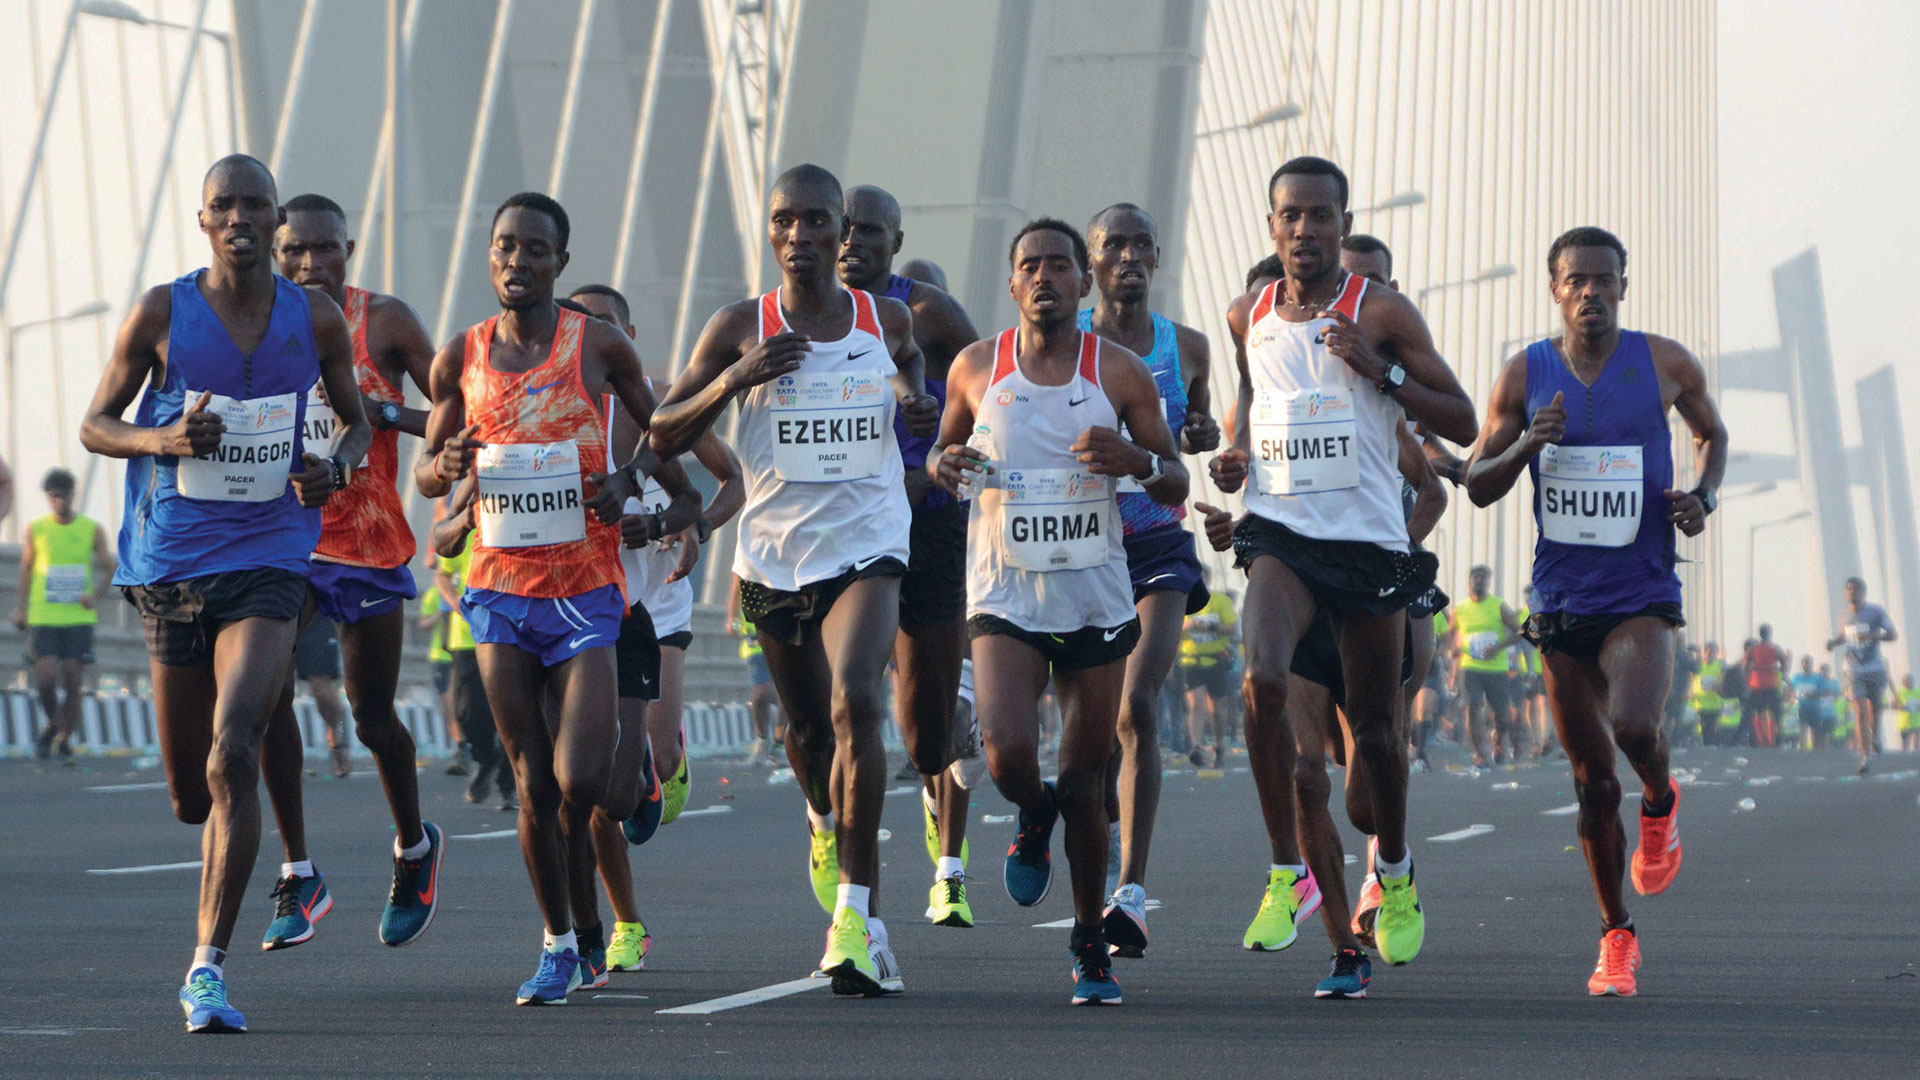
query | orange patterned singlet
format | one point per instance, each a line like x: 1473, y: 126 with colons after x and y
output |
x: 546, y: 408
x: 365, y: 525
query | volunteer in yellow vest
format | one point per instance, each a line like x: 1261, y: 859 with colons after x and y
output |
x: 58, y: 588
x: 1708, y: 706
x: 467, y: 696
x: 1484, y: 629
x: 1907, y: 701
x: 1207, y: 652
x: 1530, y: 705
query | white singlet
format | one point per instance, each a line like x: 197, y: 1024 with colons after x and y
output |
x: 825, y: 486
x: 1326, y: 452
x: 670, y: 606
x: 1044, y: 544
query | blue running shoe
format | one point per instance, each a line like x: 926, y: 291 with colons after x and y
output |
x: 557, y: 976
x: 204, y: 1000
x: 1093, y: 981
x: 1029, y: 871
x: 415, y: 894
x: 1350, y: 974
x: 298, y: 903
x: 593, y: 959
x: 646, y: 816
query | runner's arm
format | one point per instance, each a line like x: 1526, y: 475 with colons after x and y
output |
x: 109, y: 563
x: 135, y: 360
x: 718, y: 458
x: 943, y: 325
x: 1430, y: 393
x: 450, y: 532
x: 718, y: 369
x: 964, y: 382
x: 1229, y: 469
x: 628, y: 382
x: 1146, y: 423
x: 334, y: 341
x: 27, y: 558
x: 1429, y: 494
x: 1200, y: 434
x: 1507, y: 442
x: 1695, y: 404
x: 919, y: 410
x: 408, y: 349
x: 446, y: 422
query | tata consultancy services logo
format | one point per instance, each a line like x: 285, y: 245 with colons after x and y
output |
x: 846, y: 389
x: 1606, y: 462
x: 783, y: 391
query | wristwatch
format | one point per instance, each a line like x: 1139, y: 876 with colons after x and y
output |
x: 1159, y: 469
x: 1393, y: 379
x: 656, y: 525
x: 702, y: 529
x: 1709, y: 500
x: 386, y: 416
x: 342, y: 472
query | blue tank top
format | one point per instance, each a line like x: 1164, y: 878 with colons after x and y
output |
x: 1620, y: 568
x: 1138, y: 512
x: 913, y: 449
x: 166, y: 535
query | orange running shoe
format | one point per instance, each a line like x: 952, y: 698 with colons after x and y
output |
x: 1657, y: 861
x: 1619, y: 960
x: 1368, y: 908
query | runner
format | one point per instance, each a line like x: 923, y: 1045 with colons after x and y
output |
x: 1326, y: 528
x: 1208, y: 649
x: 217, y: 529
x: 1862, y: 627
x: 655, y: 635
x: 361, y: 583
x: 1124, y: 242
x: 492, y: 772
x: 1907, y: 701
x: 1603, y: 564
x: 516, y: 404
x: 1805, y: 688
x: 1766, y: 663
x: 1485, y: 628
x: 932, y: 639
x: 1708, y: 704
x: 59, y: 607
x: 1032, y: 434
x: 760, y: 699
x: 824, y: 535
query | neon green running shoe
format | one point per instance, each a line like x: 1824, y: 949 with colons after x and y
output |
x: 947, y: 903
x: 1288, y: 902
x: 848, y: 960
x: 674, y: 789
x: 628, y: 949
x: 1401, y: 926
x: 823, y: 865
x: 933, y: 838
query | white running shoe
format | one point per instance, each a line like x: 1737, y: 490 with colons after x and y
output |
x: 1124, y: 924
x: 884, y: 964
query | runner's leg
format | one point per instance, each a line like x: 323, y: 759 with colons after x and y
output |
x: 1311, y: 714
x: 370, y: 656
x: 251, y: 658
x: 1089, y: 705
x: 1277, y: 611
x: 1576, y: 689
x: 1371, y: 647
x: 1161, y: 615
x: 855, y: 635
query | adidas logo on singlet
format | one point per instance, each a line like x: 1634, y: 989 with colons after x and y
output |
x: 292, y: 345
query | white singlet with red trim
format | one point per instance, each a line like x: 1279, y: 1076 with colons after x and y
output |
x: 1045, y: 549
x: 1324, y: 441
x: 669, y: 605
x: 826, y: 492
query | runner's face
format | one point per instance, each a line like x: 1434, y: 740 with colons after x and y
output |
x: 312, y: 249
x: 600, y: 306
x: 1371, y: 265
x: 524, y: 258
x: 1588, y: 285
x: 870, y: 243
x: 1047, y: 282
x: 1855, y: 593
x: 1307, y: 224
x: 804, y: 227
x: 1125, y: 255
x: 61, y: 503
x: 1477, y: 584
x: 239, y: 212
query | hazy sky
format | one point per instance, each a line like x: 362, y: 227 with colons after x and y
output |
x: 1819, y: 147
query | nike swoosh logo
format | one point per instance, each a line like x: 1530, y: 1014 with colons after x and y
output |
x: 1072, y: 402
x: 864, y: 563
x: 375, y: 603
x: 532, y: 390
x: 1113, y: 633
x: 1155, y: 578
x: 1388, y: 591
x: 426, y: 895
x: 858, y: 355
x: 576, y: 642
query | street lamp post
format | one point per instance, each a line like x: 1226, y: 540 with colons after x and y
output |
x: 1274, y: 115
x: 121, y: 11
x: 1753, y: 533
x: 1395, y: 202
x: 1491, y: 273
x: 84, y: 311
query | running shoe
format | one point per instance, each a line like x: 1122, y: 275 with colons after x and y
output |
x: 933, y: 838
x: 650, y: 810
x: 848, y: 960
x: 947, y: 903
x: 510, y: 802
x: 1289, y: 901
x: 1367, y: 908
x: 64, y: 748
x: 1348, y: 977
x: 1113, y: 857
x: 482, y: 781
x: 675, y: 789
x: 1656, y: 862
x: 886, y: 969
x: 204, y: 1000
x: 1029, y: 869
x: 593, y: 959
x: 1613, y: 974
x: 1124, y: 923
x: 298, y: 903
x: 415, y: 895
x: 1401, y: 926
x: 628, y: 949
x: 823, y: 866
x: 557, y: 976
x: 43, y: 744
x: 461, y: 763
x: 1093, y: 981
x: 343, y: 768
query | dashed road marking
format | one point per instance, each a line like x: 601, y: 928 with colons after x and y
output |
x: 1561, y: 811
x: 1461, y: 834
x: 749, y: 997
x: 153, y: 869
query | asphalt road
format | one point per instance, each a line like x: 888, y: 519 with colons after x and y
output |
x: 1788, y: 946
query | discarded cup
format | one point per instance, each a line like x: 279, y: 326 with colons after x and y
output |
x: 780, y: 776
x: 996, y: 819
x: 1745, y: 804
x: 1508, y: 786
x: 886, y: 835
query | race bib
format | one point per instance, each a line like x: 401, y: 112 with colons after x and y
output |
x: 1480, y: 645
x: 1128, y: 483
x: 1303, y: 441
x: 829, y: 427
x: 66, y: 584
x: 322, y: 429
x: 1591, y: 495
x: 1055, y: 519
x: 530, y: 494
x: 255, y: 455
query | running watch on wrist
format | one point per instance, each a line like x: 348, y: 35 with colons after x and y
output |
x: 1709, y: 500
x: 342, y: 472
x: 1393, y: 379
x: 388, y: 415
x: 702, y: 529
x: 1156, y: 472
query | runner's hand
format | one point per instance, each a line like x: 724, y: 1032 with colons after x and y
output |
x: 781, y: 354
x: 86, y: 601
x: 1218, y: 525
x: 1686, y: 512
x: 1229, y: 469
x: 197, y: 433
x: 921, y: 414
x: 455, y: 459
x: 955, y: 462
x: 688, y: 541
x: 608, y: 498
x: 315, y: 483
x: 1200, y: 434
x: 636, y: 530
x: 1107, y: 453
x: 1344, y: 340
x: 1549, y: 425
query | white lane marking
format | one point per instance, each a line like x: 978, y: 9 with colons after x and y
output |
x: 903, y: 790
x: 1561, y: 811
x: 53, y: 1030
x: 705, y: 811
x: 495, y: 834
x: 750, y: 997
x: 1067, y: 923
x: 628, y: 997
x: 151, y: 785
x: 1461, y: 834
x: 155, y: 868
x: 1349, y: 859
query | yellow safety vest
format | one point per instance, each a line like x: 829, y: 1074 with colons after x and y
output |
x: 459, y: 634
x: 1479, y: 622
x: 1706, y: 687
x: 62, y: 572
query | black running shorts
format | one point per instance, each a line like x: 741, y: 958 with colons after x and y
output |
x: 785, y: 615
x: 1581, y: 636
x: 182, y: 617
x: 1090, y: 646
x: 1343, y: 575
